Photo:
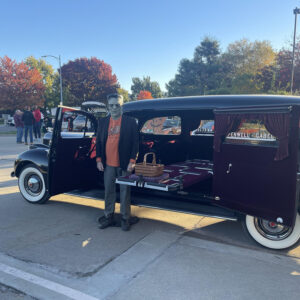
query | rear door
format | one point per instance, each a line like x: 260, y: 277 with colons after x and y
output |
x: 251, y: 174
x: 70, y: 163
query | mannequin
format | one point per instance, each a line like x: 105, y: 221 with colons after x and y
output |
x: 116, y: 111
x: 116, y: 152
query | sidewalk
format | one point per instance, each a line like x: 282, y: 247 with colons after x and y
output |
x: 166, y: 265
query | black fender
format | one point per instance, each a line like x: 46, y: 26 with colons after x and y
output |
x: 37, y: 156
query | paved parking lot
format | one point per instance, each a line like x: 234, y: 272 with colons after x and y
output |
x: 7, y: 128
x: 56, y: 251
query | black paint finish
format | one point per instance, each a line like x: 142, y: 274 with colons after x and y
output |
x: 258, y: 186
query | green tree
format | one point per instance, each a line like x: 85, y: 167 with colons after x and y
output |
x: 199, y: 75
x: 248, y: 67
x: 124, y: 93
x: 207, y: 52
x: 185, y: 81
x: 50, y: 80
x: 245, y: 67
x: 247, y: 57
x: 145, y: 84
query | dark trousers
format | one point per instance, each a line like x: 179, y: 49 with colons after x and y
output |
x: 110, y: 175
x: 28, y: 128
x: 19, y: 134
x: 37, y: 129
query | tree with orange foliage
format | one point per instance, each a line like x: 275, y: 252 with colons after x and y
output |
x: 88, y: 79
x: 19, y: 85
x: 144, y: 95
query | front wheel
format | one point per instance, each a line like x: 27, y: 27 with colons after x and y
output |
x: 271, y: 234
x: 32, y: 185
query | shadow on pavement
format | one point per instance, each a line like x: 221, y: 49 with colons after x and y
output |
x: 8, y: 183
x: 65, y: 236
x: 229, y: 232
x: 233, y: 233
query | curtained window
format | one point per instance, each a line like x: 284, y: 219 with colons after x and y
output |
x: 277, y: 124
x: 223, y: 125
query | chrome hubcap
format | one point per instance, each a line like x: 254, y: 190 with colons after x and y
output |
x: 272, y: 230
x: 33, y: 184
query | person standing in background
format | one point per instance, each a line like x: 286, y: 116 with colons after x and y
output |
x: 19, y: 125
x: 42, y: 122
x: 28, y: 120
x: 37, y: 123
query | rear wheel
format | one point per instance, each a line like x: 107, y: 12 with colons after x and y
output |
x: 271, y: 234
x: 32, y: 185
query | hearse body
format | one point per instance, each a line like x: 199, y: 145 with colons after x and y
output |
x: 229, y: 157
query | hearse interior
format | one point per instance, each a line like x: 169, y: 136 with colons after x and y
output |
x: 230, y: 157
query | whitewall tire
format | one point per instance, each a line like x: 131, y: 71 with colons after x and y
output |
x: 32, y: 185
x: 272, y: 235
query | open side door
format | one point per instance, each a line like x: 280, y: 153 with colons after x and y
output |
x: 71, y: 163
x: 255, y: 162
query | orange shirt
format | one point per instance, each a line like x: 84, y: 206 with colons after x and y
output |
x: 112, y: 143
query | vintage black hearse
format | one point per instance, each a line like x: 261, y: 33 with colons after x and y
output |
x: 230, y: 157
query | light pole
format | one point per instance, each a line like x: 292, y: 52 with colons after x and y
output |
x: 60, y: 78
x: 296, y: 12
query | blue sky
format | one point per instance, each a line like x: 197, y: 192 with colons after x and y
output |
x: 138, y: 38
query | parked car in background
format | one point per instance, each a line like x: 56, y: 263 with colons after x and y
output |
x: 77, y: 122
x: 11, y: 121
x: 227, y: 173
x: 171, y: 123
x: 80, y: 123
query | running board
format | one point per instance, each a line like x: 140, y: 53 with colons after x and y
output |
x: 143, y: 200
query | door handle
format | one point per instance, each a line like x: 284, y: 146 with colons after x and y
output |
x: 229, y: 168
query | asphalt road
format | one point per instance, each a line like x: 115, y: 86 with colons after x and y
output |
x: 7, y: 128
x: 56, y: 251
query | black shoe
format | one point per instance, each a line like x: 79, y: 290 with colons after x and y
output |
x: 106, y: 222
x: 125, y: 224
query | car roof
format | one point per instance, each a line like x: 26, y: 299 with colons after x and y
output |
x: 96, y: 103
x: 210, y: 102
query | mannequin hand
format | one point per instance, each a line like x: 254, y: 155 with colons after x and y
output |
x: 130, y: 167
x: 100, y: 166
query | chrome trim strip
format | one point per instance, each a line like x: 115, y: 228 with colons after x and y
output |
x: 180, y: 166
x: 159, y: 188
x: 126, y: 182
x: 202, y: 134
x: 199, y: 168
x: 189, y: 173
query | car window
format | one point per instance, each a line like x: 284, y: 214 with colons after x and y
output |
x: 251, y: 132
x: 77, y: 125
x: 206, y: 127
x: 97, y: 109
x: 170, y: 125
